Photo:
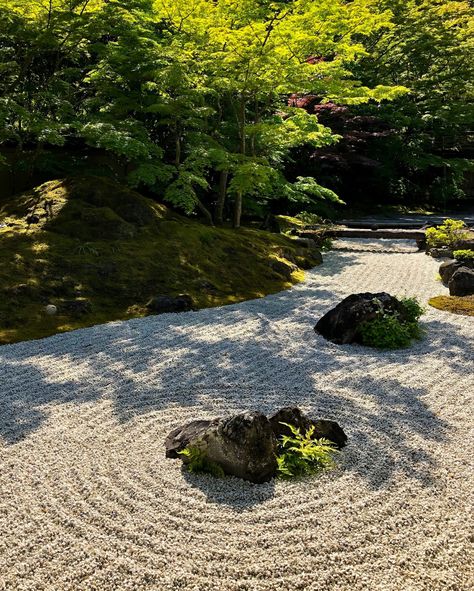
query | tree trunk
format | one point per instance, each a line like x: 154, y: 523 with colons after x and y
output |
x: 243, y: 149
x: 207, y: 214
x: 177, y: 157
x: 237, y: 209
x: 221, y: 196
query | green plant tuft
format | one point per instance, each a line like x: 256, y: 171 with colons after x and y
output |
x: 198, y: 463
x: 449, y: 233
x: 464, y: 256
x: 300, y: 454
x: 390, y: 331
x: 412, y: 309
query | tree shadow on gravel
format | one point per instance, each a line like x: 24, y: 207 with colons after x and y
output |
x: 261, y: 355
x: 235, y: 493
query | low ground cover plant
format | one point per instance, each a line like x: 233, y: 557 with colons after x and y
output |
x: 454, y: 304
x: 394, y: 330
x: 464, y: 256
x: 198, y: 463
x: 449, y: 233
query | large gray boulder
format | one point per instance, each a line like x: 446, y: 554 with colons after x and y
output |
x: 341, y: 325
x: 462, y: 282
x: 243, y: 445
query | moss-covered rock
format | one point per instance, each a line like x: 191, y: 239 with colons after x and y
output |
x: 98, y: 241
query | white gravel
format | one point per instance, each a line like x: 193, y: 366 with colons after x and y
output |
x: 88, y: 501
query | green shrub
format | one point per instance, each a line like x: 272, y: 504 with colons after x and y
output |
x: 412, y: 308
x: 301, y: 455
x: 464, y: 256
x: 310, y: 219
x: 449, y: 233
x: 389, y: 331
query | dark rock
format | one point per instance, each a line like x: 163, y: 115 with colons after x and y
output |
x: 447, y: 270
x: 465, y: 245
x: 282, y: 268
x: 76, y: 308
x: 322, y: 428
x: 462, y: 282
x: 291, y: 415
x: 243, y: 445
x: 33, y: 219
x: 181, y: 437
x: 341, y: 325
x: 421, y: 243
x: 441, y: 253
x: 163, y: 303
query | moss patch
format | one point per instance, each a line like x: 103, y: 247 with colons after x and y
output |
x: 90, y: 238
x: 454, y: 304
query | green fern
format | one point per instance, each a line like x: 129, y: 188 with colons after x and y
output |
x: 300, y: 454
x: 86, y: 248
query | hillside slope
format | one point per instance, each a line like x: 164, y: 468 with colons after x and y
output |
x: 99, y: 251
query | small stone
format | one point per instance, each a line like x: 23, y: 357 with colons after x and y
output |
x: 51, y: 310
x: 163, y: 303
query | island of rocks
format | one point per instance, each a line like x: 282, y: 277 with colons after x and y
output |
x: 245, y: 444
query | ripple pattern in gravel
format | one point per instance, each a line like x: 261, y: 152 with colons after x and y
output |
x: 88, y: 502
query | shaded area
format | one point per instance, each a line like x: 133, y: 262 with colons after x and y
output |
x: 92, y: 240
x: 262, y: 355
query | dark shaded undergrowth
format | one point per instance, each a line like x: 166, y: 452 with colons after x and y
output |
x: 91, y: 239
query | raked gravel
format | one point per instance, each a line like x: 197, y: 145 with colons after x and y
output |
x: 88, y: 501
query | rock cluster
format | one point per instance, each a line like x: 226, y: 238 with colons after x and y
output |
x: 245, y: 444
x: 458, y: 276
x: 341, y: 325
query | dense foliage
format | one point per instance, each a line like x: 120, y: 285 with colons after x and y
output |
x: 416, y: 149
x: 449, y: 233
x: 189, y: 98
x: 464, y: 256
x: 393, y: 330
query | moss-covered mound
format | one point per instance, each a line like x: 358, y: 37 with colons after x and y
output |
x: 99, y: 252
x: 456, y: 305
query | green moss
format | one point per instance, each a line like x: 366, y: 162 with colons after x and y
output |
x: 79, y: 249
x: 454, y: 304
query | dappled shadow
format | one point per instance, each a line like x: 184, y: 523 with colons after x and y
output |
x: 262, y: 355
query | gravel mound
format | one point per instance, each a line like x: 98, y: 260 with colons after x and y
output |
x: 88, y: 501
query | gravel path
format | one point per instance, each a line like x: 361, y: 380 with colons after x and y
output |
x: 88, y: 502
